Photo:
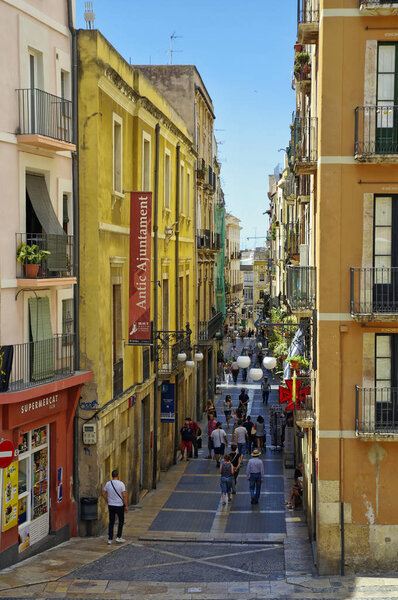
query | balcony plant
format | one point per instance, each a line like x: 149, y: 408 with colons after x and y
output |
x: 301, y: 65
x: 31, y: 256
x: 298, y: 362
x: 201, y: 173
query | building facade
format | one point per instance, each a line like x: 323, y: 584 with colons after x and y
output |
x: 132, y: 140
x: 40, y: 383
x: 233, y: 274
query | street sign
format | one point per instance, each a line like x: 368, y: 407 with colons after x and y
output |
x: 7, y: 453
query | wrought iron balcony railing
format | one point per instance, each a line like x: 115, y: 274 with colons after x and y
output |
x: 208, y: 329
x: 305, y: 142
x: 301, y: 287
x: 376, y: 410
x: 374, y: 290
x: 168, y: 345
x: 59, y: 261
x: 304, y: 186
x: 308, y: 21
x: 376, y: 132
x: 45, y: 114
x: 378, y: 7
x: 40, y: 362
x: 292, y: 238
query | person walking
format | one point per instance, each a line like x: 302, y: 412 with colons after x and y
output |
x: 255, y: 475
x: 219, y: 438
x: 210, y: 409
x: 227, y: 473
x: 260, y: 433
x: 236, y: 461
x: 115, y: 495
x: 240, y: 437
x: 235, y: 371
x: 227, y: 408
x: 197, y: 432
x: 248, y: 425
x: 187, y: 435
x: 265, y: 389
x: 211, y: 425
x: 243, y: 401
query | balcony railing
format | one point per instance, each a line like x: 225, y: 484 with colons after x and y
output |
x: 292, y: 238
x: 301, y: 286
x: 168, y: 345
x: 45, y: 114
x: 305, y: 143
x: 59, y: 263
x: 304, y: 416
x: 376, y: 410
x: 290, y: 187
x: 118, y: 378
x: 304, y: 186
x: 374, y: 290
x: 308, y: 21
x: 376, y: 132
x: 37, y: 363
x: 205, y: 238
x: 380, y: 7
x: 208, y: 329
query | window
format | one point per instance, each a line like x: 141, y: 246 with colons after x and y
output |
x: 117, y: 154
x: 261, y: 276
x: 181, y: 303
x: 146, y: 164
x: 117, y: 340
x: 188, y: 193
x: 182, y: 185
x: 167, y: 178
x: 67, y: 321
x: 187, y: 311
x: 65, y: 95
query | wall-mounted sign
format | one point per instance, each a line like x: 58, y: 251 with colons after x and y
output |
x: 140, y: 267
x: 32, y: 410
x: 167, y: 411
x: 10, y: 496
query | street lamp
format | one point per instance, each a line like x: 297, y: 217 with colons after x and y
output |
x: 269, y: 362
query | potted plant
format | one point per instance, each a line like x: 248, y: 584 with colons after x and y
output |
x: 31, y: 256
x: 201, y: 173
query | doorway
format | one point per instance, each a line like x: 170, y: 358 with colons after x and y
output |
x: 145, y: 445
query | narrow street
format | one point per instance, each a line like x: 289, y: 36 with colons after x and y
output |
x: 182, y: 543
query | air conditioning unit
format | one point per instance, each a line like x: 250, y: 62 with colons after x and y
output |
x: 304, y: 255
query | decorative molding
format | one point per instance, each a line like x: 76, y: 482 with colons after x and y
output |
x: 8, y: 138
x: 348, y: 434
x: 8, y: 283
x: 110, y: 228
x: 40, y: 16
x: 117, y: 261
x: 334, y: 317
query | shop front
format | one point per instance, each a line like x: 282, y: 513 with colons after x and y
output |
x: 37, y: 496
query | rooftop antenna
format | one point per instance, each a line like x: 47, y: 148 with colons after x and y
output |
x: 171, y: 51
x: 89, y: 15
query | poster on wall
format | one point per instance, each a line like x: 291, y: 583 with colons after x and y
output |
x: 24, y: 539
x: 10, y: 496
x: 167, y: 413
x: 140, y: 268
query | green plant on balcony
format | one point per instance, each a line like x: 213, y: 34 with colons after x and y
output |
x: 302, y: 362
x: 31, y: 256
x: 201, y: 173
x: 301, y: 65
x: 273, y: 231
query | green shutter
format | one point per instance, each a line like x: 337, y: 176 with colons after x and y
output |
x: 42, y: 356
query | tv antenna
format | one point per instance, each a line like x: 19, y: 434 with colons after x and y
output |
x: 89, y: 15
x: 172, y: 51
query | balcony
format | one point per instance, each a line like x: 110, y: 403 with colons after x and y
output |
x: 374, y: 293
x: 118, y: 378
x: 378, y: 7
x: 292, y: 240
x: 45, y: 120
x: 41, y: 362
x: 289, y: 187
x: 376, y: 134
x: 302, y: 79
x: 308, y: 22
x: 304, y: 189
x: 54, y: 268
x: 208, y: 329
x: 208, y: 240
x: 376, y: 413
x: 305, y: 133
x: 168, y: 345
x: 304, y: 416
x: 301, y: 286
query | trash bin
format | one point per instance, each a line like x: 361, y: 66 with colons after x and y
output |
x: 88, y: 509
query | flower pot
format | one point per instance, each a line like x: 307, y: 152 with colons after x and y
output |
x: 31, y: 270
x: 298, y: 47
x: 294, y: 365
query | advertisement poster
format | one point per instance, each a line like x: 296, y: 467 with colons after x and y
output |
x: 167, y: 413
x: 60, y: 481
x: 24, y: 539
x: 10, y: 496
x: 140, y: 267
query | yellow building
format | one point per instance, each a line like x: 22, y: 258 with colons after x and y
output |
x: 131, y: 139
x: 343, y: 154
x: 259, y: 281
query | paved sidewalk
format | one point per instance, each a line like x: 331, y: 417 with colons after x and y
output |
x: 182, y: 543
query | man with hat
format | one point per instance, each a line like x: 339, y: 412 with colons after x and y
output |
x: 255, y: 475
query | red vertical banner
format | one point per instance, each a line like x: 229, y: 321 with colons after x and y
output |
x: 140, y: 267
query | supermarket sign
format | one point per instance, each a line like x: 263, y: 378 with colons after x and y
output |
x: 39, y: 408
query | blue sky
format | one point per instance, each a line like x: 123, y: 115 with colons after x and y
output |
x: 243, y: 50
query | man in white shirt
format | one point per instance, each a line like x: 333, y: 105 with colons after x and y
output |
x: 240, y: 437
x: 219, y: 438
x: 114, y: 493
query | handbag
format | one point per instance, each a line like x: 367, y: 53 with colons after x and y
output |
x: 253, y: 431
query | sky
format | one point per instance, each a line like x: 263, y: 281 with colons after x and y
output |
x: 243, y: 50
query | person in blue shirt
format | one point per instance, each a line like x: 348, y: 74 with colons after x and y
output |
x: 255, y: 475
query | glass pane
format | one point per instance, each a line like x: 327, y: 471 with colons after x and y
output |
x: 387, y: 58
x: 382, y: 240
x: 385, y: 263
x: 383, y: 368
x: 383, y: 211
x: 22, y: 510
x: 383, y: 395
x: 24, y: 445
x: 383, y: 346
x: 40, y: 484
x: 385, y: 115
x: 22, y: 476
x: 39, y: 436
x: 385, y: 88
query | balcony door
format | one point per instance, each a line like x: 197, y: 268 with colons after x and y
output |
x: 387, y: 99
x: 386, y: 381
x: 385, y: 254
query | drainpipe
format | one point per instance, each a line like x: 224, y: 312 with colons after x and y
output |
x: 75, y: 200
x: 155, y: 306
x: 341, y: 459
x: 177, y: 288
